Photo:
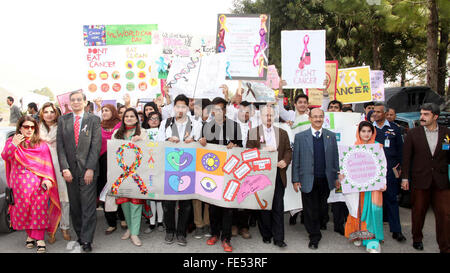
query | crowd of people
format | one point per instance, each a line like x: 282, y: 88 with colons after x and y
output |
x: 57, y: 167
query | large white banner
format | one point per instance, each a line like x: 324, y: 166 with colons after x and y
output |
x: 233, y: 178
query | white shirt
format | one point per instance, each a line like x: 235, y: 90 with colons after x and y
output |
x: 269, y: 136
x: 314, y: 132
x: 386, y: 123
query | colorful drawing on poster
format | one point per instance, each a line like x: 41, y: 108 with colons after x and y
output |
x: 210, y: 186
x: 242, y: 171
x: 328, y: 122
x: 231, y: 190
x: 354, y: 85
x: 273, y: 79
x: 129, y: 170
x: 180, y: 159
x: 211, y: 162
x: 364, y: 167
x: 94, y: 35
x: 250, y: 155
x: 252, y: 185
x: 377, y: 84
x: 245, y: 39
x: 231, y: 164
x: 263, y: 164
x: 303, y: 58
x: 179, y: 183
x: 257, y: 92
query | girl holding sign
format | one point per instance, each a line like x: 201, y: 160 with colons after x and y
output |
x: 369, y: 222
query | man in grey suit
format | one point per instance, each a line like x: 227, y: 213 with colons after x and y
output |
x: 79, y: 140
x: 315, y: 166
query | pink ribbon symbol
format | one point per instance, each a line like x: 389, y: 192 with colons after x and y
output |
x: 305, y: 59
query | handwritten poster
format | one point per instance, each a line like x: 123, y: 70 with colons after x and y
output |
x: 303, y: 58
x: 129, y: 34
x: 245, y: 39
x: 364, y: 167
x: 64, y: 103
x: 273, y: 79
x: 257, y: 92
x: 315, y: 95
x: 354, y: 85
x: 167, y: 171
x: 197, y: 77
x: 377, y: 84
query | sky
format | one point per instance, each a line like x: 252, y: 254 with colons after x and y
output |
x: 42, y: 41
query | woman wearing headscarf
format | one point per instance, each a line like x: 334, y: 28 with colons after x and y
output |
x: 31, y: 176
x: 370, y: 203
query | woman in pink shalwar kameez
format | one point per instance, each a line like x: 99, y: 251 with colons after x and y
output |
x: 29, y: 170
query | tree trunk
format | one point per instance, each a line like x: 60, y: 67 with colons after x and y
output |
x: 376, y: 49
x: 432, y: 46
x: 442, y: 60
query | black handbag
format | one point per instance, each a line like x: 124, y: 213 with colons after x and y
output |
x: 9, y: 197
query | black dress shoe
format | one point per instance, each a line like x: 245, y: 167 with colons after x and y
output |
x: 79, y: 242
x: 280, y: 243
x: 266, y: 240
x: 87, y: 247
x: 313, y: 245
x: 418, y: 245
x: 398, y: 236
x: 340, y: 231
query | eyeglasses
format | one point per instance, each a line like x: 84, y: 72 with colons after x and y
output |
x: 77, y: 99
x: 27, y: 127
x: 154, y: 118
x: 317, y: 117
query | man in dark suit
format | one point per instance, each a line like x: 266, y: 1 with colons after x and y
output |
x: 79, y: 140
x: 271, y: 138
x: 390, y: 136
x: 315, y: 166
x: 221, y: 131
x: 425, y: 170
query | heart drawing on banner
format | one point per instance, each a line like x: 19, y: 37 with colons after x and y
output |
x: 178, y: 183
x: 179, y: 160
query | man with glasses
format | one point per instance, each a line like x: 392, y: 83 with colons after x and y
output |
x: 315, y: 165
x: 221, y: 131
x: 79, y: 140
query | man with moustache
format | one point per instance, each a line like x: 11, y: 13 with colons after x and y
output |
x: 425, y: 171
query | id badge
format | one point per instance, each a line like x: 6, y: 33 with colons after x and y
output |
x: 445, y: 146
x: 387, y: 143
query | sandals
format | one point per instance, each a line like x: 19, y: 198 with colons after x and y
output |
x: 30, y: 244
x: 41, y: 249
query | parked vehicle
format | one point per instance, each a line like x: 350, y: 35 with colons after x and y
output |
x: 5, y: 133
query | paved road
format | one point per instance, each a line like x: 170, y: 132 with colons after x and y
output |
x: 296, y: 238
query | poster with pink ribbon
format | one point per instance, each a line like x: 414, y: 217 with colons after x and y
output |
x: 245, y: 40
x: 363, y: 167
x: 303, y: 58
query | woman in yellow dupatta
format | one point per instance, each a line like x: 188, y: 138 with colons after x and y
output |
x: 370, y: 202
x: 31, y: 176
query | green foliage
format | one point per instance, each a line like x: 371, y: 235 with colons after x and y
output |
x: 45, y: 92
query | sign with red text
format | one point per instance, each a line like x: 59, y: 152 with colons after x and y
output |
x: 315, y: 95
x: 303, y: 58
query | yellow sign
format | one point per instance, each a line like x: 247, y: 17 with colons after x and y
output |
x: 315, y: 96
x: 354, y: 85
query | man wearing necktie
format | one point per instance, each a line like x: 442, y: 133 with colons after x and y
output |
x: 79, y: 140
x: 315, y: 166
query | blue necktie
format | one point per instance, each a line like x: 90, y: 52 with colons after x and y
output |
x: 317, y: 134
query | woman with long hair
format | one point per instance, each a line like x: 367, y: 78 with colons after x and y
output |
x: 370, y: 204
x: 31, y: 176
x: 132, y: 208
x: 110, y: 123
x: 48, y: 116
x: 149, y: 107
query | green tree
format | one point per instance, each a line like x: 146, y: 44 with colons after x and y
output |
x: 45, y: 92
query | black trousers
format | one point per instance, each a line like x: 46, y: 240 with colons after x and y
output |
x: 83, y: 208
x: 241, y: 218
x: 315, y: 207
x: 220, y: 220
x: 340, y: 214
x: 271, y: 222
x: 111, y: 216
x: 185, y: 208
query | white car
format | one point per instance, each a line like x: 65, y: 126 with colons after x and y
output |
x: 5, y: 133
